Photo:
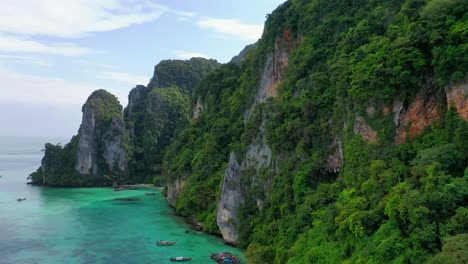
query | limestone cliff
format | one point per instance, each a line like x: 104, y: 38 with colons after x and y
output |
x: 258, y: 155
x: 231, y: 200
x: 102, y: 136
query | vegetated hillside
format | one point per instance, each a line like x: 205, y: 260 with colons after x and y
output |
x: 342, y: 137
x: 185, y: 74
x: 155, y: 112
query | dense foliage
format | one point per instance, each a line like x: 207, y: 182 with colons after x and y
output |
x: 164, y: 110
x: 389, y: 203
x: 185, y: 74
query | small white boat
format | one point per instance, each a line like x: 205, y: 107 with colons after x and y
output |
x: 21, y: 199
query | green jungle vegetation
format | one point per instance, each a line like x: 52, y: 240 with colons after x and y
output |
x: 404, y: 203
x: 185, y: 74
x: 165, y: 108
x: 389, y: 203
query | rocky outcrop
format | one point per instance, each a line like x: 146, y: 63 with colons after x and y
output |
x: 101, y: 136
x: 230, y: 202
x: 457, y: 95
x: 412, y: 120
x: 361, y: 127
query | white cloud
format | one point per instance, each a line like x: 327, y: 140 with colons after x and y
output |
x: 233, y: 27
x: 74, y: 18
x: 123, y: 77
x: 20, y: 44
x: 182, y: 54
x: 25, y: 59
x: 96, y: 64
x: 183, y: 15
x: 31, y: 89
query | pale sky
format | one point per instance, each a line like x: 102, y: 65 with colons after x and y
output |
x: 54, y: 53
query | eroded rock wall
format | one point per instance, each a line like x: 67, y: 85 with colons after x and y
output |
x: 230, y: 201
x: 87, y: 147
x: 457, y: 95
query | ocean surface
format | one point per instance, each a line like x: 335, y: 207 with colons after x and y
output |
x: 86, y: 225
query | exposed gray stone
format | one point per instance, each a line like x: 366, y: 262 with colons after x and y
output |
x: 174, y: 190
x: 197, y: 109
x: 114, y: 148
x: 87, y: 150
x: 230, y: 202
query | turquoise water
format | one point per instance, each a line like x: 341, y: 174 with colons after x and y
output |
x: 86, y: 225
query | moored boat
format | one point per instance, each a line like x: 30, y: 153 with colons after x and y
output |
x: 180, y: 259
x: 150, y: 193
x: 225, y: 258
x: 21, y: 199
x: 165, y: 243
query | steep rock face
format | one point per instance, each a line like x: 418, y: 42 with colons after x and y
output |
x: 101, y: 136
x: 273, y: 70
x: 173, y: 191
x: 457, y: 95
x: 87, y: 150
x: 259, y: 154
x: 114, y: 148
x: 230, y: 202
x: 235, y: 190
x: 412, y: 121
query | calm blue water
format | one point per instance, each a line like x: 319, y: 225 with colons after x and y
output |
x: 85, y: 225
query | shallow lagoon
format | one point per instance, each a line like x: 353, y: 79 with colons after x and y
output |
x: 87, y: 225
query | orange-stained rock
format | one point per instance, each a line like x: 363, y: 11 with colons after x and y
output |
x: 387, y: 110
x: 365, y: 130
x: 421, y: 113
x: 457, y: 95
x: 284, y: 45
x: 273, y: 71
